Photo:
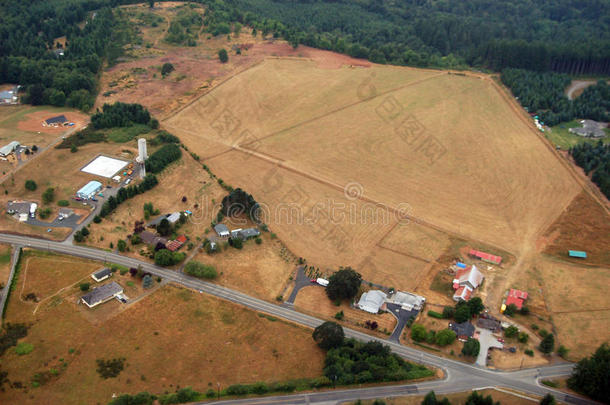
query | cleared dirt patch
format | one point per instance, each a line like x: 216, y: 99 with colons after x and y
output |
x: 32, y: 122
x: 175, y: 338
x: 584, y: 225
x: 5, y: 263
x: 582, y: 332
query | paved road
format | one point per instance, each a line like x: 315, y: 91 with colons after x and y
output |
x: 301, y: 281
x: 459, y: 376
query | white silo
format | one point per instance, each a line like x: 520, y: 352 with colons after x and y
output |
x: 142, y: 154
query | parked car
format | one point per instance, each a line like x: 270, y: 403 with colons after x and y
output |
x: 109, y: 186
x: 78, y: 199
x: 93, y: 199
x: 512, y: 349
x: 500, y: 340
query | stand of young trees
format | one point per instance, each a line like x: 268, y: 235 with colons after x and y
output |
x: 596, y: 159
x: 27, y: 33
x: 564, y: 36
x: 543, y: 94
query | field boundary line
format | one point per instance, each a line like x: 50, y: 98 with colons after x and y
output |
x: 398, y: 252
x: 345, y: 107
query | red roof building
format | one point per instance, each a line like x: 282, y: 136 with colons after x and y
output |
x: 486, y: 257
x: 516, y: 297
x: 176, y: 244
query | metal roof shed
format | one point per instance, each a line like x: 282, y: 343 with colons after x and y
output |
x: 578, y: 253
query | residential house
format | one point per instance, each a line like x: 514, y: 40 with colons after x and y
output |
x: 56, y: 121
x: 152, y: 239
x: 462, y: 330
x: 222, y: 230
x: 515, y: 297
x: 102, y: 294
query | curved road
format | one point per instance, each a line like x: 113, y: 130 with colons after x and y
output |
x: 459, y: 376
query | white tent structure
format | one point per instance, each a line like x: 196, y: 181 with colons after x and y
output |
x: 371, y: 301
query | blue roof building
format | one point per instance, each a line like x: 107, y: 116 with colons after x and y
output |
x: 89, y: 190
x: 578, y: 253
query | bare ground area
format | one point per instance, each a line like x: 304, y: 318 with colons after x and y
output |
x: 5, y: 263
x: 202, y: 334
x: 584, y: 225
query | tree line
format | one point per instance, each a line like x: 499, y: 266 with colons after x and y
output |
x: 594, y: 158
x: 565, y: 36
x: 543, y: 93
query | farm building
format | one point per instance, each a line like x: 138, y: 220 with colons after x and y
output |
x: 372, y: 301
x: 578, y: 254
x: 407, y: 301
x: 10, y: 148
x: 590, y: 129
x: 463, y: 330
x: 55, y: 121
x: 176, y: 244
x: 102, y: 274
x: 486, y: 257
x: 489, y: 322
x: 89, y: 190
x: 102, y: 294
x: 465, y: 282
x: 222, y: 230
x: 515, y: 297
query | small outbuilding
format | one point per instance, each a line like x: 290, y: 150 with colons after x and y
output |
x: 578, y: 254
x: 56, y: 121
x: 102, y: 274
x: 102, y: 294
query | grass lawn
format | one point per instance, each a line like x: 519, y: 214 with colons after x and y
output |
x: 561, y: 136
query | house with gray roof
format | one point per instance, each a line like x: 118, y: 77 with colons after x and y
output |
x: 463, y: 330
x: 222, y: 230
x: 102, y: 294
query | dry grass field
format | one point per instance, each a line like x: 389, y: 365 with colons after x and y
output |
x: 211, y: 341
x: 259, y: 270
x: 295, y: 135
x: 577, y: 300
x: 5, y: 263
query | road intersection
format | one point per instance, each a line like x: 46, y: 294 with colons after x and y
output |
x: 458, y: 376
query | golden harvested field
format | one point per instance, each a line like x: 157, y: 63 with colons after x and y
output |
x: 393, y: 269
x: 296, y: 135
x: 259, y: 270
x: 577, y: 300
x: 320, y: 123
x: 416, y: 240
x: 175, y: 338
